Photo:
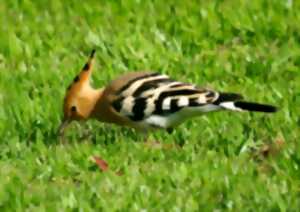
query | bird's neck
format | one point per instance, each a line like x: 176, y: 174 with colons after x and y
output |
x: 101, y: 108
x: 89, y: 98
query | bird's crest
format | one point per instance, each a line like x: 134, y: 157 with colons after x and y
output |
x: 85, y: 74
x: 80, y: 97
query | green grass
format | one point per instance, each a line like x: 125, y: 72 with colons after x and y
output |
x: 251, y: 47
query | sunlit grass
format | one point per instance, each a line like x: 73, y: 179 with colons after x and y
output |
x: 227, y: 160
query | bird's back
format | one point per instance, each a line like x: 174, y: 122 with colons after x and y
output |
x: 153, y: 100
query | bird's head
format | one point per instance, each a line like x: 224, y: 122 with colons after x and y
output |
x: 80, y: 98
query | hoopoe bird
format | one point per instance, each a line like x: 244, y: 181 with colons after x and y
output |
x: 146, y: 101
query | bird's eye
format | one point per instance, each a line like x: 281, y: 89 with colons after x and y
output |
x: 73, y: 109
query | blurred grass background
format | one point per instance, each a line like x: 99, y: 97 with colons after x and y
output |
x: 228, y: 161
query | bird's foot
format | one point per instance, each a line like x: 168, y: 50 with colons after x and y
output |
x: 158, y: 145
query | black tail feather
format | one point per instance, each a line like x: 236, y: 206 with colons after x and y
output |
x: 251, y: 106
x: 228, y: 97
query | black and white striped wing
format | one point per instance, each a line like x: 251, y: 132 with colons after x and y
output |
x: 158, y: 95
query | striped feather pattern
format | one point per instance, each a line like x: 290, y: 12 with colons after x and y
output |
x: 157, y: 95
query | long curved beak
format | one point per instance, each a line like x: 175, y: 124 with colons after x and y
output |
x: 62, y: 127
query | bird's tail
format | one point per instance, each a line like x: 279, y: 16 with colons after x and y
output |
x: 232, y: 101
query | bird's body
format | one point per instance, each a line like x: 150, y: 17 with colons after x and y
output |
x: 147, y: 101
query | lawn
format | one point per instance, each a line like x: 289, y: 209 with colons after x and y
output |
x: 226, y: 161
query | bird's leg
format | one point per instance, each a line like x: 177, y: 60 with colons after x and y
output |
x: 148, y: 141
x: 170, y: 130
x: 87, y: 132
x: 167, y: 146
x: 153, y: 144
x: 157, y: 144
x: 62, y: 140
